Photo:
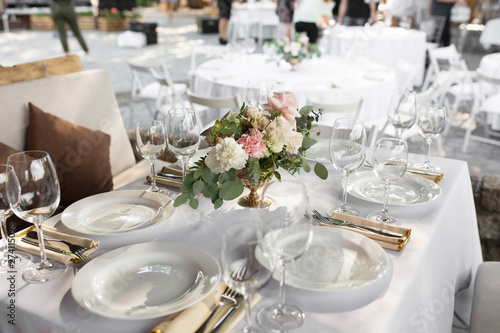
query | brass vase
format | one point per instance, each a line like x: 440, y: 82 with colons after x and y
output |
x: 293, y: 62
x: 253, y: 199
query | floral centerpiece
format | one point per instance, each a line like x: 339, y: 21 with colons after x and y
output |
x: 294, y: 51
x: 257, y: 143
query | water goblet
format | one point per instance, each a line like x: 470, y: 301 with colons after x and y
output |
x: 150, y: 143
x: 431, y: 122
x: 183, y: 134
x: 10, y: 259
x: 284, y: 233
x: 402, y: 111
x: 390, y: 160
x: 242, y: 271
x: 347, y: 152
x: 34, y: 194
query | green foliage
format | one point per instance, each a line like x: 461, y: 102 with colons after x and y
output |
x: 296, y: 49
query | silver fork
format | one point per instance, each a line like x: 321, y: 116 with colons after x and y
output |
x: 34, y: 242
x: 229, y: 298
x: 356, y: 226
x: 76, y: 249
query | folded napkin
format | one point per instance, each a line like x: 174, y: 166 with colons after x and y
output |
x: 49, y: 232
x: 168, y: 181
x: 431, y: 175
x: 190, y: 319
x: 387, y: 242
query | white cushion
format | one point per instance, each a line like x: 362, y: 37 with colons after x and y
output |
x: 83, y: 98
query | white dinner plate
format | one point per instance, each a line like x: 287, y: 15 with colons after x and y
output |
x: 145, y: 280
x: 339, y: 265
x: 117, y: 212
x: 408, y: 190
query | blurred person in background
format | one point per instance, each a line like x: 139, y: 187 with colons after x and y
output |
x: 443, y: 8
x: 311, y: 13
x: 170, y: 8
x: 356, y: 12
x: 63, y: 11
x: 284, y: 10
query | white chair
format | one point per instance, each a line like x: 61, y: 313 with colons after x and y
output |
x: 490, y: 36
x: 441, y: 60
x: 405, y: 74
x: 486, y: 103
x: 486, y: 299
x: 267, y: 26
x: 205, y: 106
x: 171, y: 93
x: 347, y: 109
x: 145, y: 88
x: 433, y: 27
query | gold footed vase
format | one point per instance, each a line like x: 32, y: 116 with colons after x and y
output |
x: 253, y: 199
x: 293, y: 62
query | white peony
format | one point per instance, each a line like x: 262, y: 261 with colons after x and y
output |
x: 295, y: 48
x: 226, y: 155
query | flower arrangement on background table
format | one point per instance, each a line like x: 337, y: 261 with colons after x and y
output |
x: 294, y: 51
x: 253, y: 142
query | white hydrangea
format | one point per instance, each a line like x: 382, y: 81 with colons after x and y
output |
x: 226, y: 155
x: 295, y: 48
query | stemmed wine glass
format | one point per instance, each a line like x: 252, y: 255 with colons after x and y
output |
x: 183, y: 134
x: 390, y: 160
x: 402, y: 110
x: 34, y: 194
x: 242, y: 270
x: 347, y: 152
x: 431, y: 123
x: 150, y: 143
x: 9, y: 259
x: 285, y: 232
x: 256, y: 93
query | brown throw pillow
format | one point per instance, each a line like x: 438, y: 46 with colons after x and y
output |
x: 6, y: 151
x: 80, y: 155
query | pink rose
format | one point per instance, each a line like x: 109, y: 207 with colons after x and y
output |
x: 286, y: 103
x: 253, y: 143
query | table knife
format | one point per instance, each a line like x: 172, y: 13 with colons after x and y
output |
x: 35, y: 242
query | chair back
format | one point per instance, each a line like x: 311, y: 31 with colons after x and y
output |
x: 169, y: 94
x: 214, y: 102
x: 352, y: 107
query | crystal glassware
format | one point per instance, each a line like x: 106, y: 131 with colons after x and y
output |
x: 242, y: 271
x: 284, y: 232
x: 402, y: 111
x: 34, y: 194
x: 150, y: 143
x: 10, y: 260
x: 431, y: 122
x: 390, y: 160
x: 183, y: 134
x: 347, y: 153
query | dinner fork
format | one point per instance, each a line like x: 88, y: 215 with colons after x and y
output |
x: 325, y: 220
x: 76, y: 249
x: 229, y: 298
x: 34, y: 242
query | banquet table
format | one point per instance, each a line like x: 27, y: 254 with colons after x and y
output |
x: 383, y: 45
x: 328, y: 79
x: 489, y: 68
x: 439, y: 261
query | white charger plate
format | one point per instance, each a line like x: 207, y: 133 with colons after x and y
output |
x: 342, y: 269
x: 408, y: 190
x: 145, y: 280
x: 117, y: 212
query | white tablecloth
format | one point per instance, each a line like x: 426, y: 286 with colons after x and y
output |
x: 383, y: 45
x: 489, y: 67
x: 440, y: 259
x: 327, y: 79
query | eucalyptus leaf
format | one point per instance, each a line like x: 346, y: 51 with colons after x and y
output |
x: 198, y: 186
x: 194, y: 203
x: 218, y: 203
x: 308, y: 142
x: 180, y: 200
x: 321, y: 171
x: 305, y: 165
x: 230, y: 190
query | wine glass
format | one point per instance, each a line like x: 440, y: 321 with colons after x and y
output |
x: 10, y: 260
x: 242, y: 271
x: 402, y: 111
x: 347, y: 152
x: 183, y: 134
x: 150, y: 143
x: 256, y: 93
x: 390, y: 159
x: 34, y: 194
x: 431, y: 123
x: 284, y: 232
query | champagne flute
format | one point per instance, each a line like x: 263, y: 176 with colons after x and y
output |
x: 150, y: 143
x: 402, y: 110
x: 431, y: 123
x: 284, y: 233
x: 34, y: 194
x: 390, y: 159
x: 347, y: 152
x: 242, y: 271
x: 183, y: 134
x: 10, y: 260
